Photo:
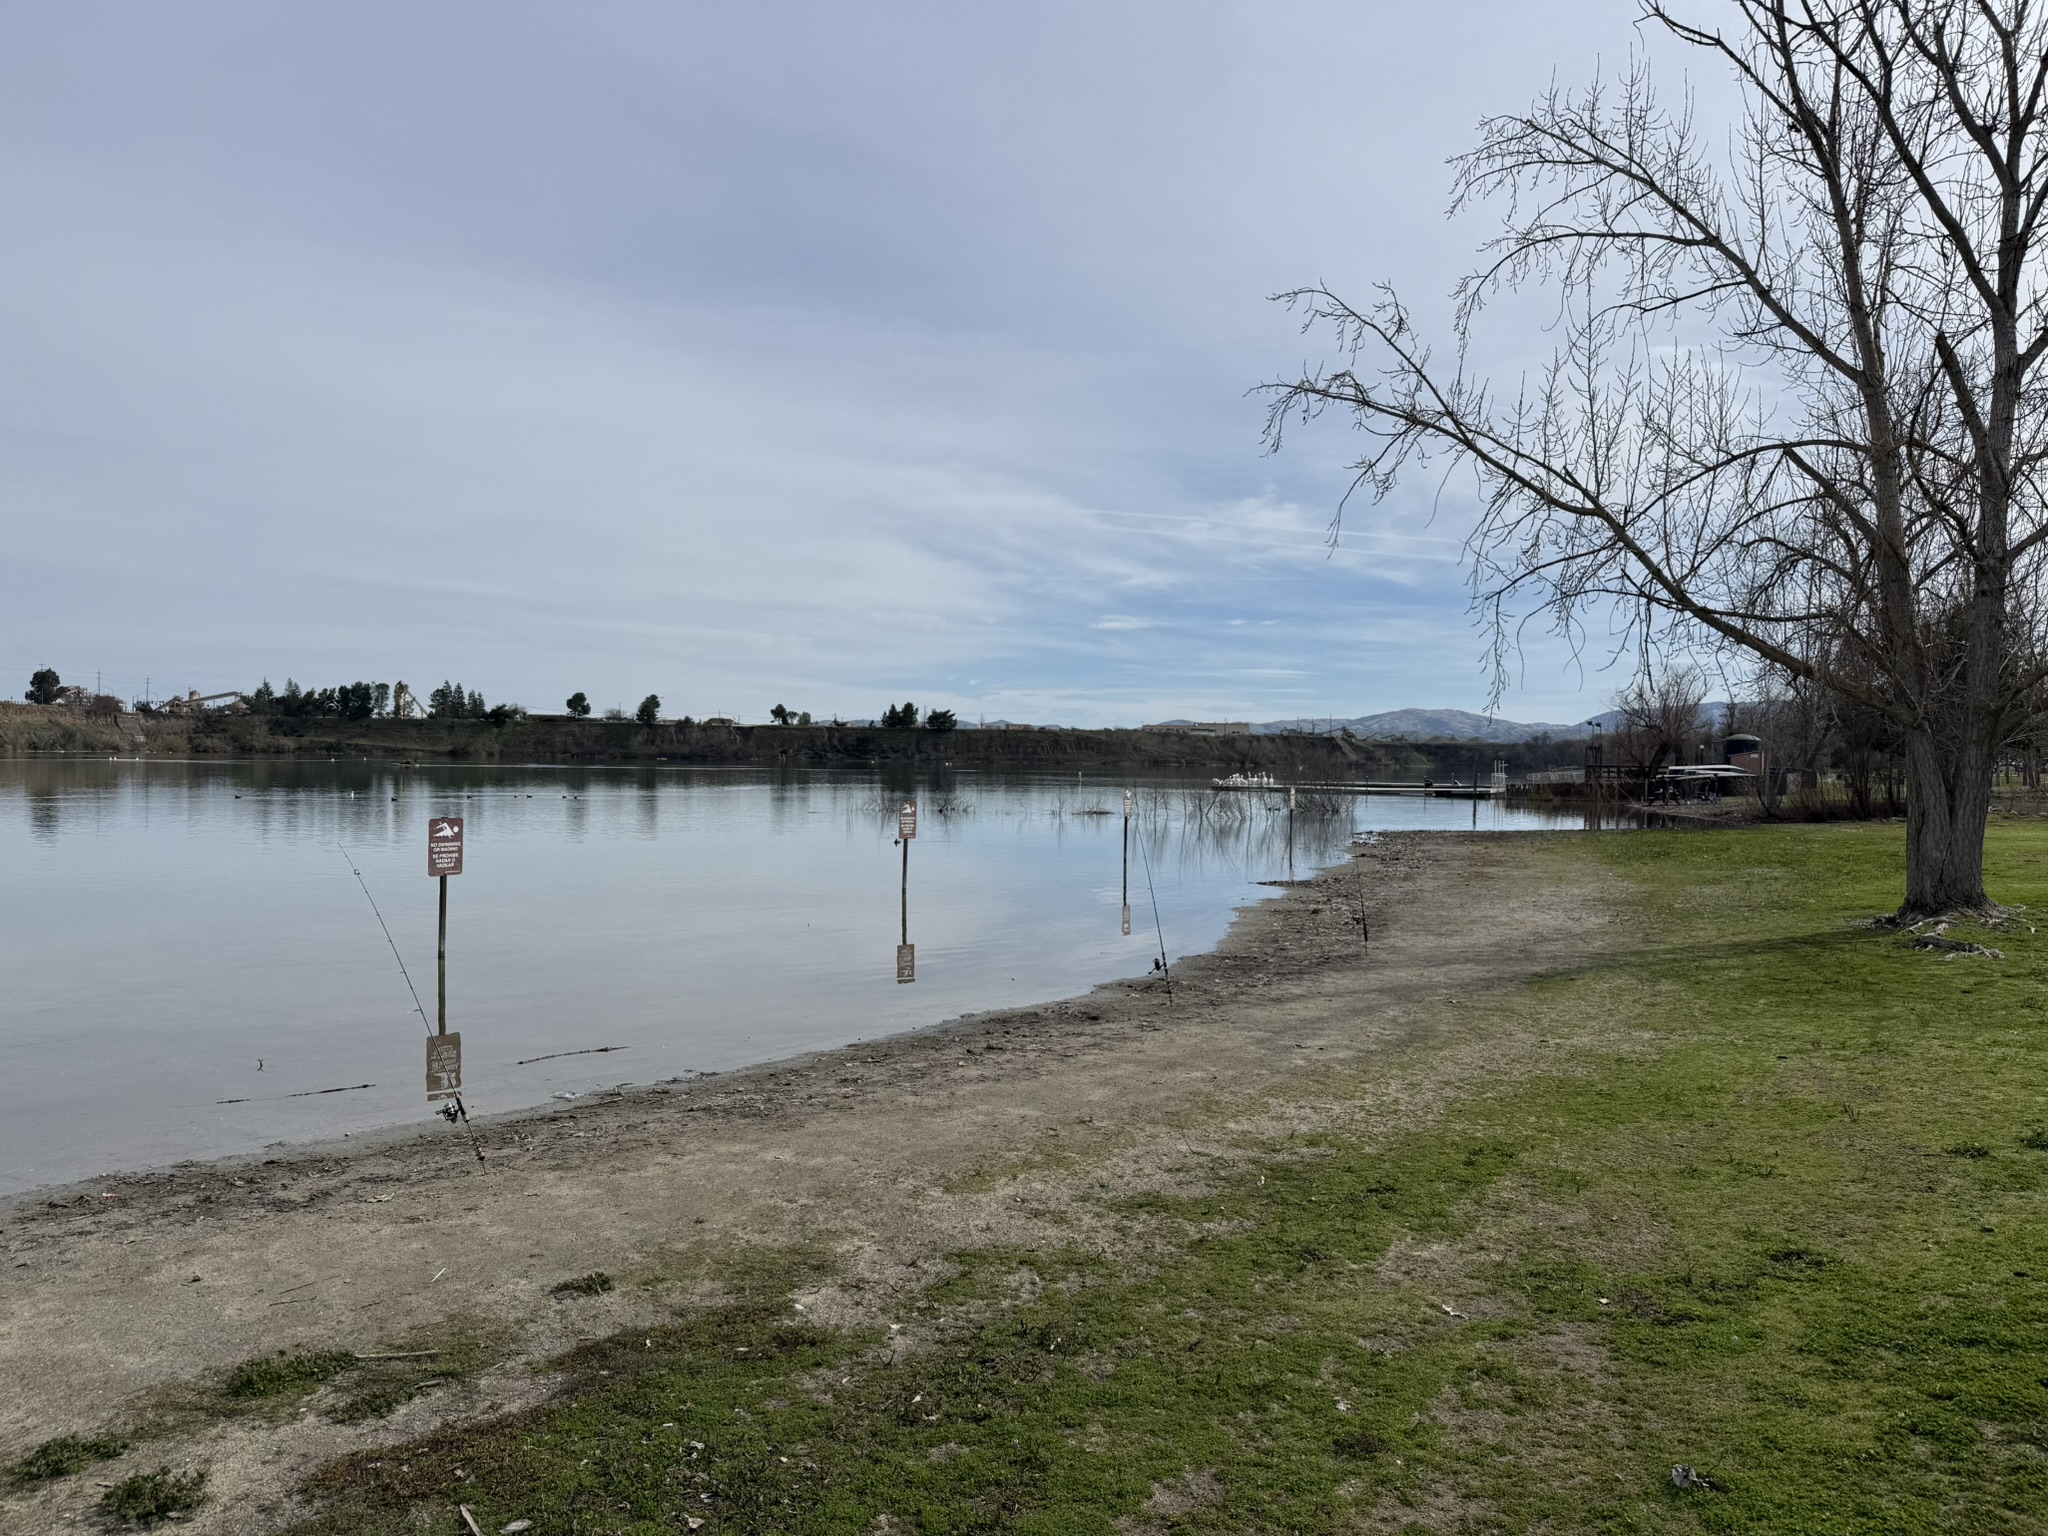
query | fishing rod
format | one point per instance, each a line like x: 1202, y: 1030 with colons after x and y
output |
x: 447, y: 1113
x: 1157, y: 926
x: 415, y: 991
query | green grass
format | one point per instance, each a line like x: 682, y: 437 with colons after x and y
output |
x: 65, y: 1455
x: 274, y: 1375
x: 150, y: 1498
x: 462, y: 1347
x: 1771, y: 1209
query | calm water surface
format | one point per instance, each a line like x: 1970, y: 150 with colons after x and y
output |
x: 176, y: 934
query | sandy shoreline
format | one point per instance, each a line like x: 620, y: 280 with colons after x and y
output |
x: 885, y: 1155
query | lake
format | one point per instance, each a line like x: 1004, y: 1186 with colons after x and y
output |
x: 189, y: 959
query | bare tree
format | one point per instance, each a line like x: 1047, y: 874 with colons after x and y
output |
x: 1796, y: 718
x: 1795, y: 409
x: 1660, y: 721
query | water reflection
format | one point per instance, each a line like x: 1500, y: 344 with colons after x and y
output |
x: 1130, y: 806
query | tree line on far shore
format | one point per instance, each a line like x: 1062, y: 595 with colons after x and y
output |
x: 373, y: 701
x: 450, y: 701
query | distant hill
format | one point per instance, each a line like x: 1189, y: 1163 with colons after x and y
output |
x: 1463, y: 725
x: 1430, y: 725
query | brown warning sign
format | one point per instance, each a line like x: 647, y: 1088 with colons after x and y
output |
x: 444, y: 1066
x: 906, y: 820
x: 906, y: 963
x: 444, y: 845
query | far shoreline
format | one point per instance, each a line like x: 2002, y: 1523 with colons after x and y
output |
x: 30, y: 731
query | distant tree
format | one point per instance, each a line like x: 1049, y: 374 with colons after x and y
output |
x: 579, y: 705
x: 504, y: 714
x: 804, y: 718
x: 380, y: 700
x: 779, y: 714
x: 262, y: 699
x: 356, y: 701
x: 900, y: 717
x: 451, y: 701
x: 403, y: 705
x: 649, y: 710
x: 43, y: 686
x: 941, y: 720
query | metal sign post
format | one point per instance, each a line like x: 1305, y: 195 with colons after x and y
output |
x: 906, y: 952
x: 444, y: 1051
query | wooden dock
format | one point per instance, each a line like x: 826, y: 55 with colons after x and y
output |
x: 1450, y: 791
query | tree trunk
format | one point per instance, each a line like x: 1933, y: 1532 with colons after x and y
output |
x: 1948, y: 801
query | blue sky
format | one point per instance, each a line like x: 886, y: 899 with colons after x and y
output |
x: 816, y: 354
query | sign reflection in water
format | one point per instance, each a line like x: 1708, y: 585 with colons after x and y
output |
x: 154, y: 916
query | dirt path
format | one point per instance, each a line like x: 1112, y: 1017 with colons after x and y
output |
x: 886, y: 1154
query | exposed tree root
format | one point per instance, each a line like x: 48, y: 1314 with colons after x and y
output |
x: 1912, y: 937
x: 1989, y: 915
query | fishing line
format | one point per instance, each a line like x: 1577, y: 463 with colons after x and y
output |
x: 415, y: 991
x: 417, y: 1007
x: 1157, y: 926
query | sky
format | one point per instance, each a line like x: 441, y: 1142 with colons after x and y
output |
x: 745, y: 354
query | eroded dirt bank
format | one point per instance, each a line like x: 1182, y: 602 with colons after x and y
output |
x: 118, y: 1294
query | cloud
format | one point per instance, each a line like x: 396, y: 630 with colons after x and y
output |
x: 746, y: 354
